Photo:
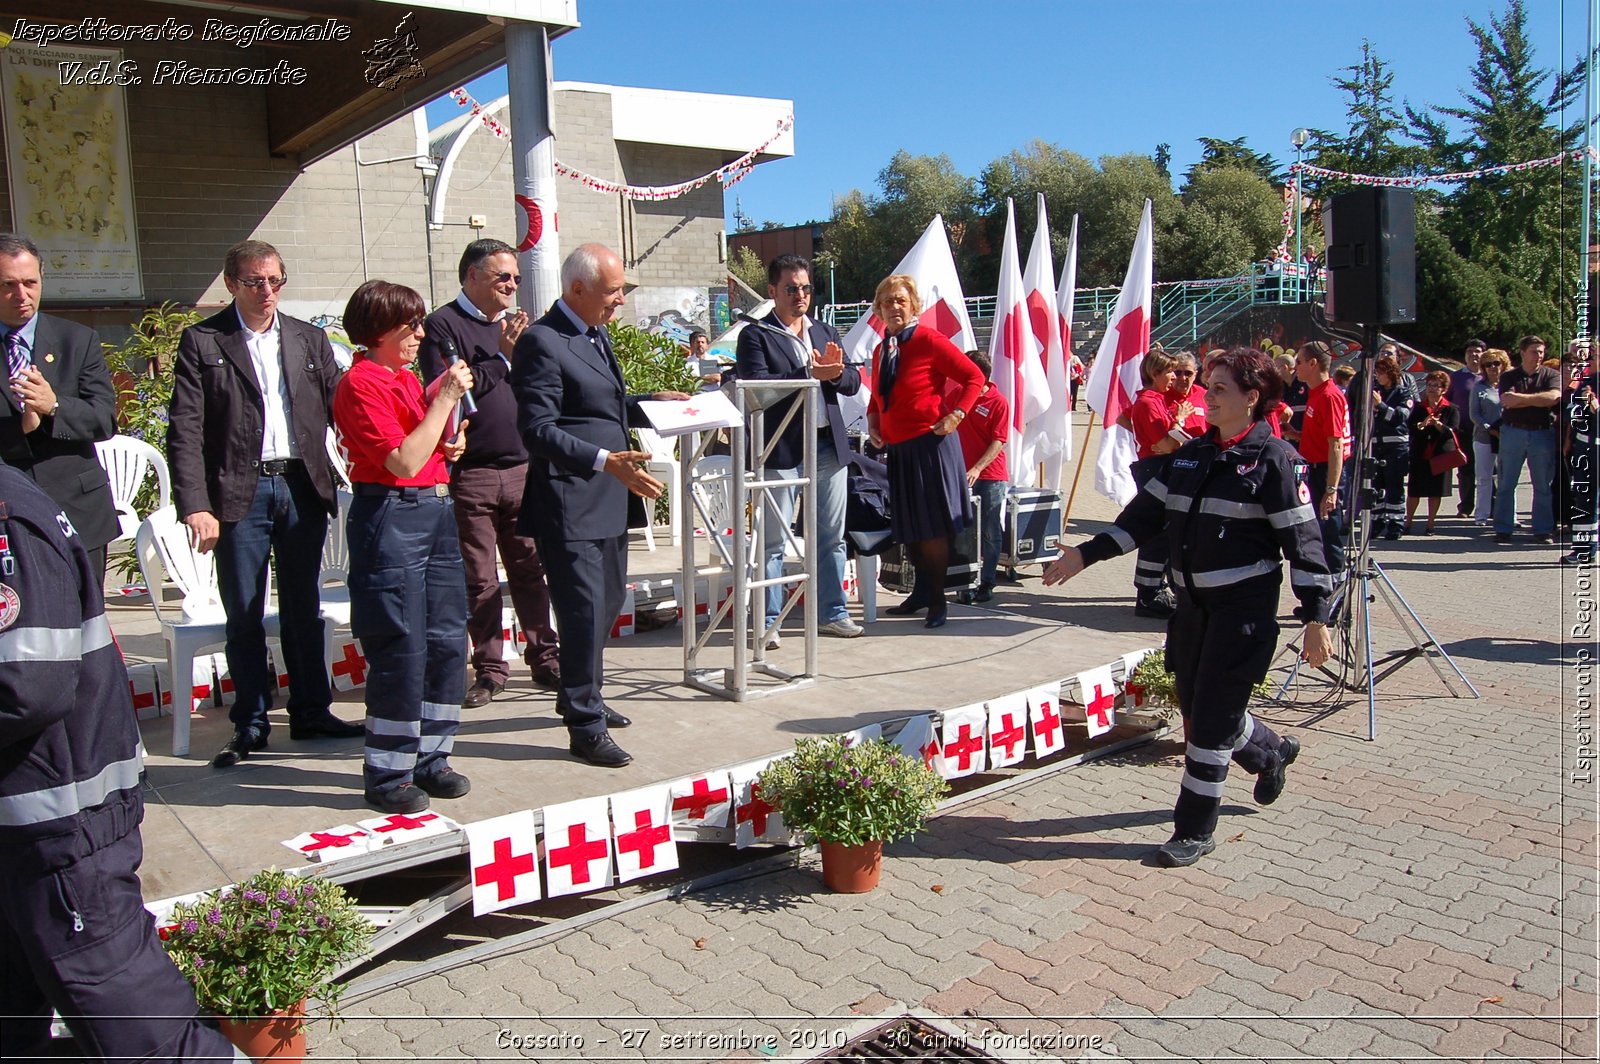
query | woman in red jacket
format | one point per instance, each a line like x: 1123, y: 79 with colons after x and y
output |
x: 912, y: 371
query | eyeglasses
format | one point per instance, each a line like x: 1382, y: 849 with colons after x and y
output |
x: 255, y: 283
x: 502, y: 278
x: 411, y: 326
x: 1183, y: 373
x: 797, y: 289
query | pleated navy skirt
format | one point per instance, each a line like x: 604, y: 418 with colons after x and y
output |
x: 928, y: 496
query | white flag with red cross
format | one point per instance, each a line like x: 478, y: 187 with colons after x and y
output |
x: 624, y: 623
x: 861, y: 735
x: 1114, y: 379
x: 577, y: 846
x: 145, y: 687
x: 275, y: 665
x: 1133, y: 694
x: 642, y: 833
x: 332, y: 844
x: 962, y: 750
x: 1014, y: 350
x: 931, y: 265
x: 754, y: 818
x: 1098, y: 692
x: 1008, y: 729
x: 1044, y: 720
x: 1066, y: 302
x: 918, y: 739
x: 1047, y: 437
x: 504, y: 857
x: 407, y: 827
x: 701, y: 801
x: 349, y: 665
x: 200, y: 684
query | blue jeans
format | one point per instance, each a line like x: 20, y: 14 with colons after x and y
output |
x: 1538, y: 448
x: 287, y: 519
x: 991, y: 498
x: 832, y: 490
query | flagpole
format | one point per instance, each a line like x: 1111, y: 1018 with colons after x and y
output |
x: 1066, y: 511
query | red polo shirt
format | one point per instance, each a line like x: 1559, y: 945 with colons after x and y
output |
x: 988, y: 422
x: 375, y: 409
x: 1327, y: 418
x: 1151, y: 419
x: 1196, y: 424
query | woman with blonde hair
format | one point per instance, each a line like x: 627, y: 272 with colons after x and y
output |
x: 1483, y: 410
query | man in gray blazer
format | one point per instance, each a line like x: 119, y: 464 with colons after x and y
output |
x: 251, y: 476
x: 58, y: 401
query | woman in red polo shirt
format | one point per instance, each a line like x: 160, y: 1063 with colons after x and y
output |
x: 913, y: 370
x: 408, y: 597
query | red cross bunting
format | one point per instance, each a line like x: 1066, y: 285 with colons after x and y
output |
x: 401, y: 822
x: 351, y: 664
x: 644, y: 838
x: 928, y: 753
x: 1009, y: 735
x: 577, y: 853
x: 1100, y: 707
x: 503, y: 870
x: 322, y: 840
x: 1134, y: 693
x: 963, y: 746
x: 699, y: 803
x: 1049, y: 722
x: 755, y: 813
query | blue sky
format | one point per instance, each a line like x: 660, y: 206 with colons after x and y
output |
x: 975, y: 80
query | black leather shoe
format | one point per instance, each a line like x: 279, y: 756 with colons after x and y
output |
x: 481, y: 694
x: 241, y: 746
x: 406, y: 798
x: 599, y: 750
x: 966, y: 596
x: 1178, y: 853
x: 326, y: 726
x: 912, y: 604
x: 985, y: 593
x: 616, y: 720
x: 549, y: 679
x: 937, y: 616
x: 447, y: 783
x: 1270, y: 783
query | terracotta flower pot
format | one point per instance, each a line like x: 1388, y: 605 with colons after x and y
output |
x: 852, y: 869
x: 280, y: 1036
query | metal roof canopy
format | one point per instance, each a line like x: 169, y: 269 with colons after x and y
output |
x: 457, y: 40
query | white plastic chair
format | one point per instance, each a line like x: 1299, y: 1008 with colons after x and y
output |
x: 162, y: 547
x: 333, y: 585
x: 665, y: 467
x: 127, y: 463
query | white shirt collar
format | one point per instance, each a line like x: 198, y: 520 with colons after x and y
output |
x: 572, y: 315
x: 472, y: 309
x: 272, y: 326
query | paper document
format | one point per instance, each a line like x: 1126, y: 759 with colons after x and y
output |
x: 708, y: 410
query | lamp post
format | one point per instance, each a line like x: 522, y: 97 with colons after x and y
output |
x: 1298, y: 138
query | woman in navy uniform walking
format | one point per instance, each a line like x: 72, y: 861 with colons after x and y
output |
x: 408, y: 592
x: 1232, y: 504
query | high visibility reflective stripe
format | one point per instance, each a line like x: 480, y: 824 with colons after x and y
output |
x: 441, y: 743
x: 1151, y: 567
x: 406, y: 729
x: 1301, y: 578
x: 1300, y: 515
x: 1224, y: 577
x: 1245, y: 733
x: 1229, y: 508
x: 441, y: 711
x: 394, y: 760
x: 1208, y: 757
x: 1181, y: 503
x: 40, y: 807
x: 1156, y: 488
x: 1205, y: 787
x: 1122, y: 539
x: 55, y: 644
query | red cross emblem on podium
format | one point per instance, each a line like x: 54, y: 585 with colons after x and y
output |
x: 755, y: 813
x: 963, y: 746
x: 322, y: 840
x: 643, y: 839
x: 352, y: 665
x: 1049, y: 722
x: 401, y: 822
x: 1099, y: 707
x: 691, y: 411
x: 503, y: 870
x: 1009, y: 735
x: 578, y: 853
x: 699, y: 802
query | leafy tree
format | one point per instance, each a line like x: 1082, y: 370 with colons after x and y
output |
x: 746, y: 265
x: 1219, y: 154
x: 1231, y: 217
x: 1063, y: 176
x: 1109, y: 218
x: 869, y: 235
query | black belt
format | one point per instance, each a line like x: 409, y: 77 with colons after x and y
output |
x: 277, y: 467
x: 440, y: 491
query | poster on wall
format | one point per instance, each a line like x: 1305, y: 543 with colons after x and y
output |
x: 670, y: 312
x: 66, y: 131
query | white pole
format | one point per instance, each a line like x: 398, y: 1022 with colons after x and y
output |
x: 533, y: 165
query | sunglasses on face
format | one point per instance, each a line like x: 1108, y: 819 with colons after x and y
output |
x: 502, y: 278
x: 255, y: 283
x: 1183, y: 373
x: 410, y: 326
x: 797, y: 289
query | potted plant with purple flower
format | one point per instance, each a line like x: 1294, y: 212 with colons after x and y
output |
x: 852, y: 798
x: 257, y: 950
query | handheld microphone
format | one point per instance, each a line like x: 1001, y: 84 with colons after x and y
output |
x: 448, y: 346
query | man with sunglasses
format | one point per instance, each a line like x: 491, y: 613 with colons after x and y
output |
x: 482, y: 325
x: 251, y: 478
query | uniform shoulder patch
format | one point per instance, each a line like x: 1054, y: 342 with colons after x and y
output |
x: 10, y: 606
x: 66, y: 525
x: 1305, y: 493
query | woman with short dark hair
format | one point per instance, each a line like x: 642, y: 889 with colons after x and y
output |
x: 1433, y: 424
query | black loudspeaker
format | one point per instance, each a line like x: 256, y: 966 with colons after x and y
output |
x: 1371, y: 261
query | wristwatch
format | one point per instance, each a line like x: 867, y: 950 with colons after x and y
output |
x: 55, y: 409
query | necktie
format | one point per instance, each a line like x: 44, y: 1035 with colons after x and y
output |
x: 886, y: 372
x: 16, y: 354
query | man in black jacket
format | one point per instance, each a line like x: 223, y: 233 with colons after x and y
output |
x: 251, y: 476
x: 59, y: 401
x: 74, y: 933
x: 480, y: 326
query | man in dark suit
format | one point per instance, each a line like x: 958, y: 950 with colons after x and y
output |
x: 60, y: 401
x: 251, y: 477
x: 574, y: 412
x: 788, y: 345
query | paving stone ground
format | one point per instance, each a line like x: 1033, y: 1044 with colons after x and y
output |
x: 1430, y: 895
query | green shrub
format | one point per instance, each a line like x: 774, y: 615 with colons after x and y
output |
x: 852, y: 794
